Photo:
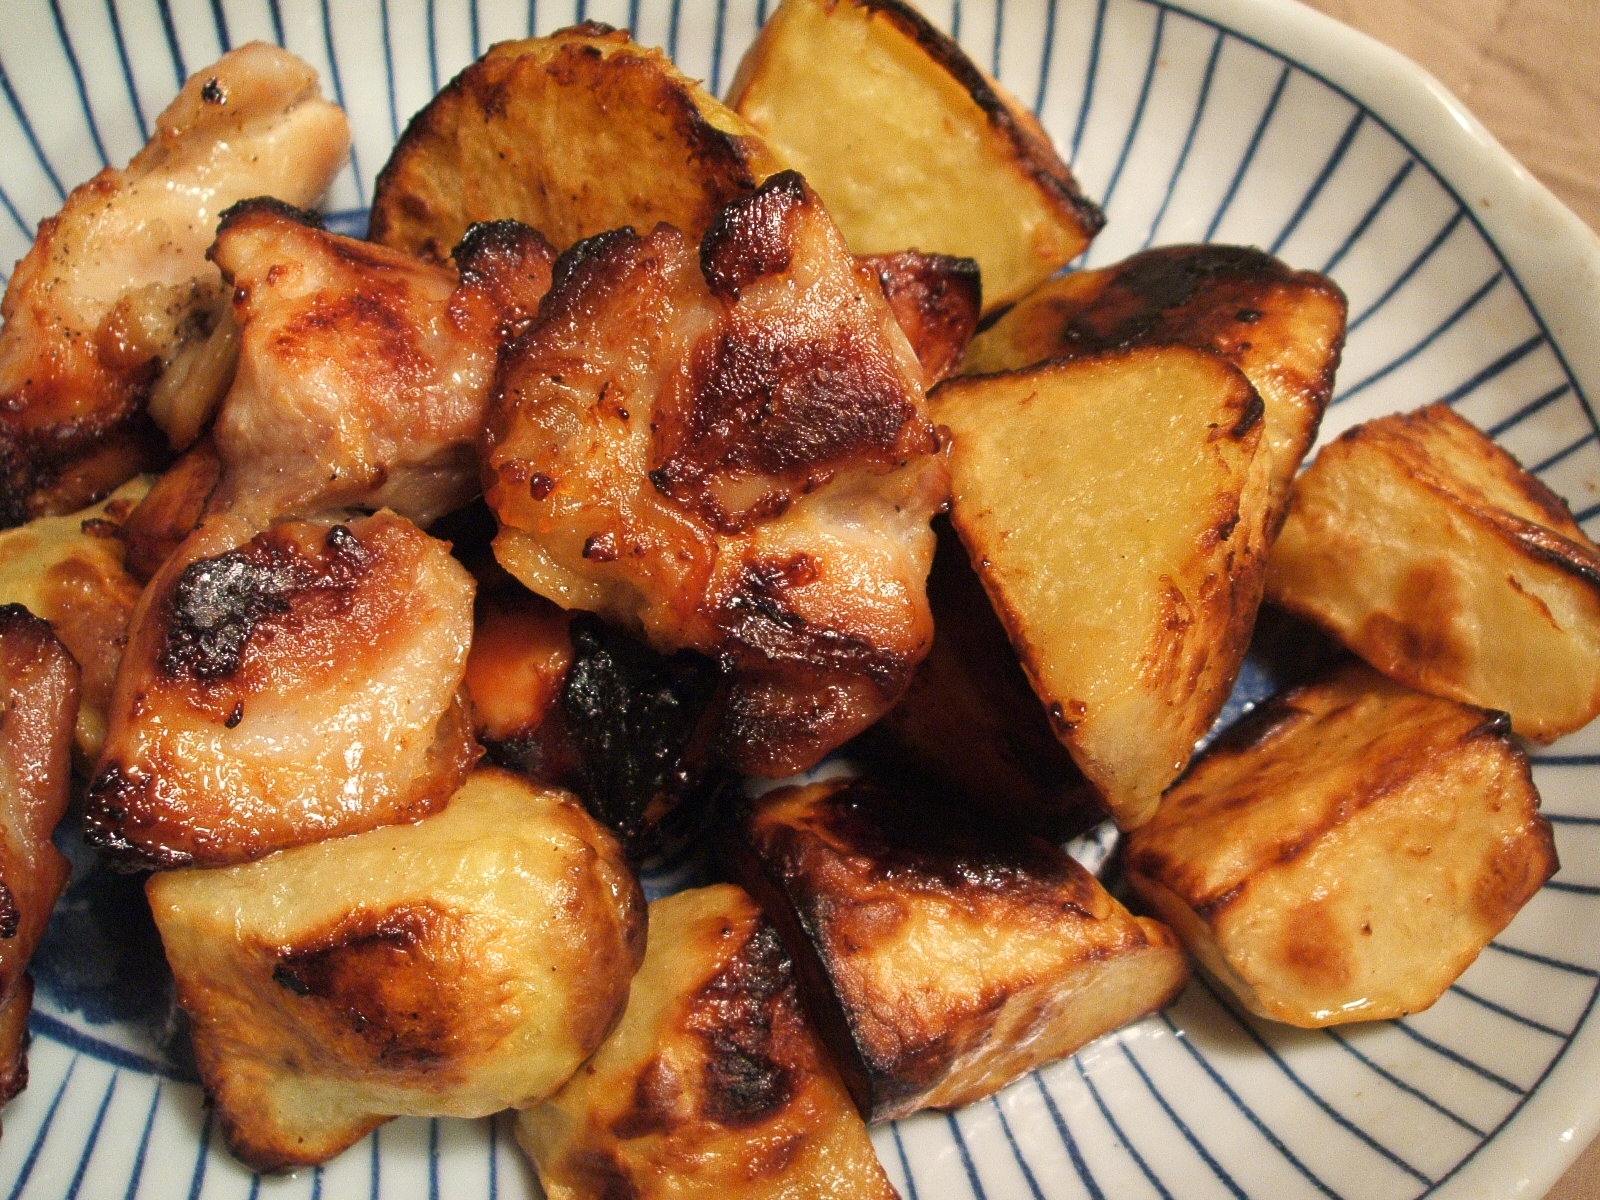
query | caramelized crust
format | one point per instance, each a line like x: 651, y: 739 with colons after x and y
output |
x: 943, y: 957
x: 117, y: 283
x: 1283, y: 328
x: 454, y: 967
x: 937, y: 299
x: 1474, y: 581
x: 713, y: 1085
x: 730, y: 452
x: 38, y: 699
x: 363, y: 372
x: 1346, y: 852
x: 70, y: 571
x: 285, y: 688
x: 575, y: 134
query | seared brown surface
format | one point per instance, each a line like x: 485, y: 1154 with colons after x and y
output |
x: 713, y: 1085
x: 943, y: 955
x: 453, y: 967
x: 937, y: 300
x: 730, y: 452
x: 285, y: 688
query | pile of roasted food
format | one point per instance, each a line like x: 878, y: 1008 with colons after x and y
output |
x: 390, y: 601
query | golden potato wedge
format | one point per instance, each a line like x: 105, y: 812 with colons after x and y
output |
x: 574, y: 134
x: 1346, y: 852
x: 38, y: 696
x: 940, y: 956
x: 70, y: 571
x: 285, y: 687
x: 910, y: 144
x: 458, y: 966
x: 1283, y: 328
x: 1103, y: 502
x: 1425, y: 548
x: 713, y: 1086
x: 970, y: 723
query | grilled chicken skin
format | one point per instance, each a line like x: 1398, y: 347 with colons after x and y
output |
x: 363, y: 372
x: 286, y: 687
x: 726, y: 447
x: 116, y: 285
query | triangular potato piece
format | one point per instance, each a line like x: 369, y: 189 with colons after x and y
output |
x: 1100, y: 500
x: 910, y: 144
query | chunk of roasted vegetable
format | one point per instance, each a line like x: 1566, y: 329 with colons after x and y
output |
x: 713, y: 1085
x: 457, y: 966
x: 943, y: 956
x: 1347, y: 852
x: 1430, y: 552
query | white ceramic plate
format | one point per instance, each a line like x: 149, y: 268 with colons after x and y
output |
x: 1247, y: 121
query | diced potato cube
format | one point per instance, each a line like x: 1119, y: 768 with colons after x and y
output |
x: 1103, y: 502
x: 909, y: 144
x: 944, y: 957
x: 455, y: 967
x: 1426, y: 548
x: 1347, y: 852
x: 575, y: 134
x: 714, y: 1085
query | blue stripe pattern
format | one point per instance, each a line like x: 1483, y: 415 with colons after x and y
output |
x: 1518, y: 381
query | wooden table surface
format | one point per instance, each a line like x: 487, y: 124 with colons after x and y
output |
x: 1530, y: 71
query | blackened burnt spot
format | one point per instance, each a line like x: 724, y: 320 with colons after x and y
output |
x: 219, y: 602
x: 744, y: 1016
x: 265, y: 206
x: 212, y: 92
x: 10, y: 914
x: 753, y: 237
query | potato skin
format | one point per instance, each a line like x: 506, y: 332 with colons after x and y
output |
x: 1474, y: 583
x: 454, y: 967
x: 943, y: 957
x: 890, y: 121
x: 713, y: 1085
x: 574, y: 134
x: 1346, y: 852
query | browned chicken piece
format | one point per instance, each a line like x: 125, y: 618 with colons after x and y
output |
x: 713, y: 1086
x: 937, y: 300
x: 943, y: 956
x: 283, y: 688
x: 71, y: 572
x: 363, y: 372
x: 1348, y: 850
x: 172, y: 509
x: 117, y: 283
x: 727, y: 448
x: 1283, y: 328
x: 458, y: 966
x: 38, y: 700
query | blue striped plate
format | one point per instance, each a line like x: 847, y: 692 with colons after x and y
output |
x: 1237, y: 120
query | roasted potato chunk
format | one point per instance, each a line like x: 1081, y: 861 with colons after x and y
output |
x: 1104, y: 504
x: 454, y: 967
x: 714, y: 1085
x: 970, y: 723
x: 38, y: 697
x: 726, y: 448
x: 943, y: 957
x: 573, y: 134
x: 284, y: 688
x: 1283, y: 328
x: 70, y: 571
x: 1425, y: 548
x: 1347, y: 852
x: 910, y: 144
